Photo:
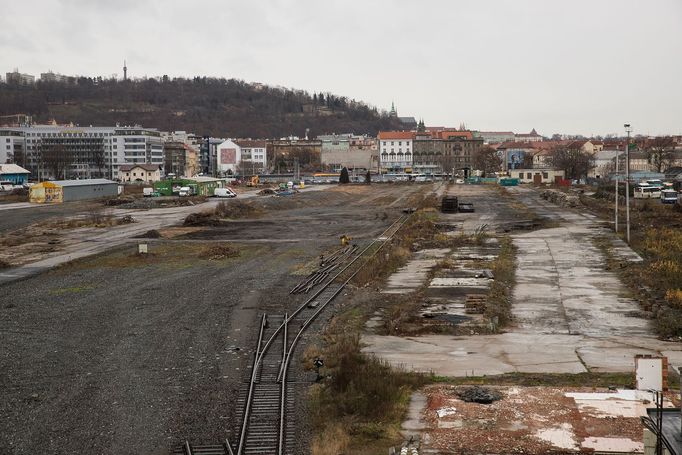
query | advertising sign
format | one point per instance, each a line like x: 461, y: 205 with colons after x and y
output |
x: 228, y: 156
x: 515, y: 159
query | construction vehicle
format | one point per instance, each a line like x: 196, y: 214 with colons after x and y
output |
x: 255, y: 181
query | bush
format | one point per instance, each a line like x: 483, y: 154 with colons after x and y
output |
x: 344, y: 178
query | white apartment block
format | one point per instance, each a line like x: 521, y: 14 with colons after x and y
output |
x: 395, y: 150
x: 93, y: 151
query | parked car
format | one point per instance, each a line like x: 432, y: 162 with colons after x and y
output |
x: 185, y: 191
x: 224, y: 192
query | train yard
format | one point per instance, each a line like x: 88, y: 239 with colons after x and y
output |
x: 203, y: 345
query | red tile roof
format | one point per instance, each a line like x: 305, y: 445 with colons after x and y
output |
x: 396, y: 135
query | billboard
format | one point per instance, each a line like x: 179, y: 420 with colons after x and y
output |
x: 515, y: 159
x: 228, y: 156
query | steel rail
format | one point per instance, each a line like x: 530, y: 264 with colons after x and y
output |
x: 306, y: 324
x: 252, y: 382
x: 260, y: 352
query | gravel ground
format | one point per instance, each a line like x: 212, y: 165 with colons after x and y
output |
x: 109, y: 356
x: 19, y: 218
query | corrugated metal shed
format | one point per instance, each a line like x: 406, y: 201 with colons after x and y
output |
x: 84, y: 182
x: 72, y: 190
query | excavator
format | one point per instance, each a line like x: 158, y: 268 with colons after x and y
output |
x: 255, y: 181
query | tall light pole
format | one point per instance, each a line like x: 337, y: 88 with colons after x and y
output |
x: 617, y: 189
x: 628, y: 129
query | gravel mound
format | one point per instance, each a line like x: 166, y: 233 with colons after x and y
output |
x: 478, y: 395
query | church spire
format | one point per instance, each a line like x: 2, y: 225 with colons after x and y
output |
x: 393, y: 112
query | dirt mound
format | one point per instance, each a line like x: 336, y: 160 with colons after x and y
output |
x: 234, y: 209
x: 150, y: 234
x: 114, y: 202
x: 201, y: 219
x: 218, y: 252
x: 478, y: 395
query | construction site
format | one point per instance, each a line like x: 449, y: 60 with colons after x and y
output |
x: 430, y: 318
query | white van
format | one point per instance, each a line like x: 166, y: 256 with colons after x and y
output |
x: 185, y: 191
x: 224, y: 192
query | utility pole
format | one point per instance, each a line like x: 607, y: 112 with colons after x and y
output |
x: 628, y: 129
x: 617, y: 189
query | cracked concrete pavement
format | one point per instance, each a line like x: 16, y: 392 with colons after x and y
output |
x: 571, y: 314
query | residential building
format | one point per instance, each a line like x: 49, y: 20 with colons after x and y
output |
x: 395, y: 150
x: 460, y: 149
x: 12, y: 146
x: 229, y: 156
x: 291, y: 154
x: 604, y: 164
x: 179, y: 159
x: 496, y: 137
x: 253, y: 155
x: 54, y: 77
x: 349, y: 151
x: 14, y: 174
x: 145, y: 173
x: 85, y: 152
x: 428, y: 154
x: 533, y: 136
x: 15, y: 77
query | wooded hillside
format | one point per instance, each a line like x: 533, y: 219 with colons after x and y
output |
x: 205, y: 106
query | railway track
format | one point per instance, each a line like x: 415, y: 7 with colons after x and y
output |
x: 266, y: 425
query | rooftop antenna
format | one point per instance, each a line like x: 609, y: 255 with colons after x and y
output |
x: 125, y: 71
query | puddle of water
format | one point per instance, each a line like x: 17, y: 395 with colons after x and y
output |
x: 413, y: 423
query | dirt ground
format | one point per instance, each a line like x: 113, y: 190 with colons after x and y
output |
x: 120, y: 354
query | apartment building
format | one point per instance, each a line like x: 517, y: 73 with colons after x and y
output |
x: 395, y: 150
x: 69, y: 152
x: 15, y: 77
x: 350, y: 151
x: 253, y: 156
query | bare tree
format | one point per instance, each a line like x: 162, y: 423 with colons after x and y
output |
x: 660, y: 152
x: 56, y: 159
x: 487, y: 160
x: 574, y: 162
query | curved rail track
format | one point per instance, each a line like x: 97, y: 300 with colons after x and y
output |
x: 265, y: 429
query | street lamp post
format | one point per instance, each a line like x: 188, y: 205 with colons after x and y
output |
x: 628, y: 129
x: 617, y: 188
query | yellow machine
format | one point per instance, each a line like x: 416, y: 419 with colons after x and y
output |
x: 345, y: 240
x: 255, y: 181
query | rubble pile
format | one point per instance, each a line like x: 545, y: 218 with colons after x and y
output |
x: 478, y: 395
x: 560, y: 198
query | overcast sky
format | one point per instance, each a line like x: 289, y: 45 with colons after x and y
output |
x: 577, y: 67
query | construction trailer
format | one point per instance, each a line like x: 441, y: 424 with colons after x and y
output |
x: 57, y: 191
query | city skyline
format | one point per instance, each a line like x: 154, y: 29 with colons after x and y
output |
x: 583, y: 69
